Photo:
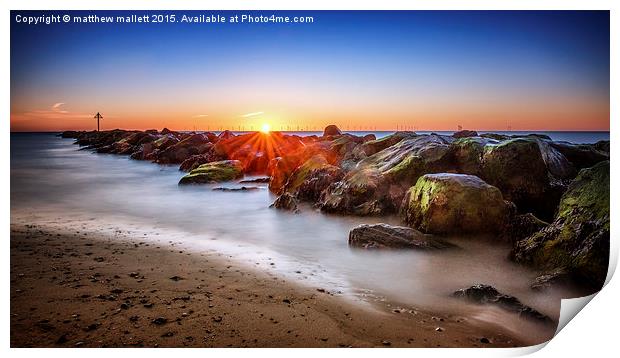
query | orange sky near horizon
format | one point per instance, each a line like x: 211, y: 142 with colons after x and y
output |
x: 572, y: 116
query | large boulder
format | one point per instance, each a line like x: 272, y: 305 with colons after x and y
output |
x: 331, y: 130
x: 578, y: 239
x: 383, y: 236
x: 529, y: 172
x: 582, y: 155
x: 377, y: 145
x: 214, y: 172
x: 281, y: 168
x: 310, y: 179
x: 191, y: 145
x: 378, y: 183
x: 455, y: 203
x: 466, y: 154
x: 194, y: 161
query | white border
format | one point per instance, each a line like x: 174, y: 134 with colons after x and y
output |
x: 592, y: 331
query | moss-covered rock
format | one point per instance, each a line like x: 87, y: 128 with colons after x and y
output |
x: 379, y: 182
x: 529, y: 172
x: 466, y: 154
x: 281, y: 168
x: 193, y: 144
x: 454, y: 203
x: 520, y: 226
x: 578, y: 238
x: 377, y: 145
x: 214, y: 172
x: 310, y: 179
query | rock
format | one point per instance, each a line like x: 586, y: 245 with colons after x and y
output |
x: 371, y: 147
x: 226, y: 135
x: 193, y: 144
x: 455, y: 203
x: 92, y: 327
x: 309, y: 180
x: 69, y: 134
x: 214, y: 172
x: 281, y: 168
x: 176, y: 278
x: 378, y: 183
x: 243, y: 188
x: 331, y: 130
x: 159, y: 321
x: 578, y: 239
x: 62, y: 339
x: 286, y: 201
x: 383, y: 236
x: 344, y: 149
x: 485, y: 294
x: 197, y: 160
x: 524, y: 170
x: 521, y: 226
x: 581, y: 155
x: 554, y: 278
x: 368, y: 137
x: 602, y: 146
x: 257, y: 180
x: 465, y: 134
x: 495, y: 136
x: 466, y: 154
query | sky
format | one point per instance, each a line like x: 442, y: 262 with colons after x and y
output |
x: 371, y: 70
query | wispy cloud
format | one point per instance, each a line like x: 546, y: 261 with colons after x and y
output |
x: 200, y: 116
x: 56, y: 107
x: 252, y: 114
x: 54, y: 112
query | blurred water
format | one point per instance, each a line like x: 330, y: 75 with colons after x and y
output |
x: 50, y: 176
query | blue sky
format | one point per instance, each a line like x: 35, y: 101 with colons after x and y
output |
x: 435, y: 69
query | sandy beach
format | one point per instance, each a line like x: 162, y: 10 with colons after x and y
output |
x: 71, y: 288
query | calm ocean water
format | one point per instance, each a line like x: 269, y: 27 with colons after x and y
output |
x: 51, y: 177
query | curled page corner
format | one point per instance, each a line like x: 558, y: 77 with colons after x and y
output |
x: 569, y: 308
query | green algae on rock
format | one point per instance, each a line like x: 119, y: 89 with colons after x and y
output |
x: 455, y: 203
x: 310, y: 179
x: 379, y: 182
x: 214, y: 172
x: 578, y: 239
x: 528, y: 172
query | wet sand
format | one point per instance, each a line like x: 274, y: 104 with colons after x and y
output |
x: 71, y: 288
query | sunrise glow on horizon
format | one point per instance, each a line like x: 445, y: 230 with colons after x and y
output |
x: 422, y: 70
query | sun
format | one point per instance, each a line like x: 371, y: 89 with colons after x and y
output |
x: 265, y: 128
